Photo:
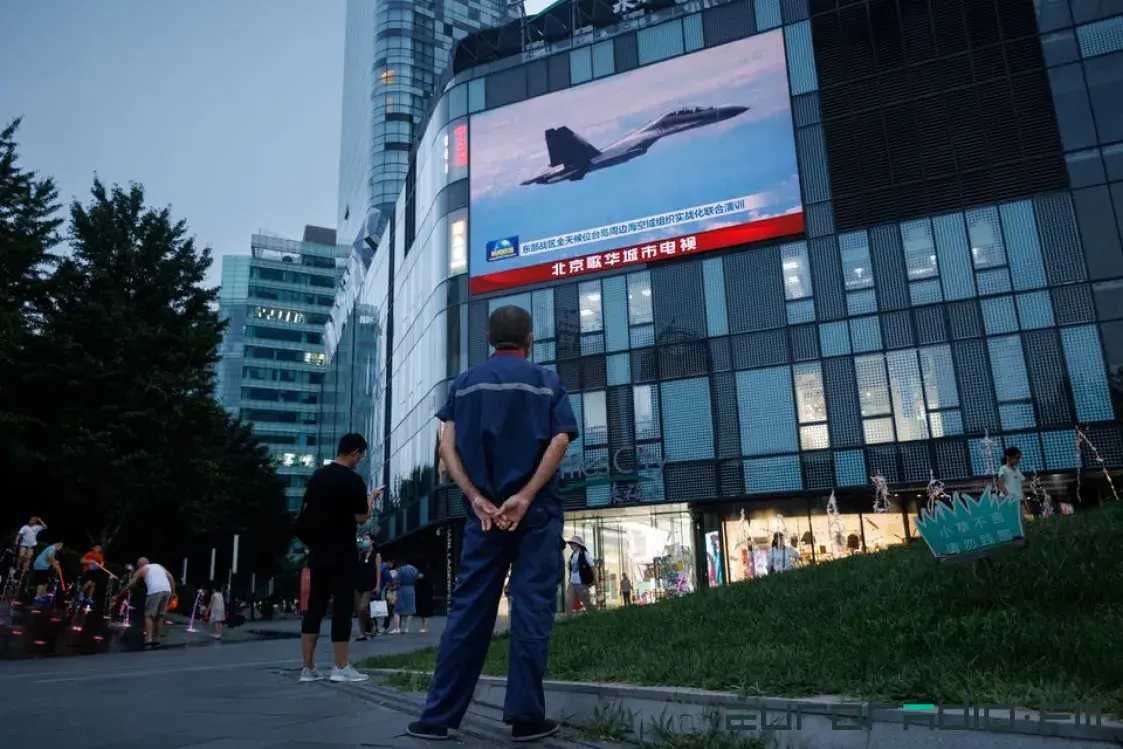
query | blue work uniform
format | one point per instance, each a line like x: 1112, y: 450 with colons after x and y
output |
x: 505, y: 411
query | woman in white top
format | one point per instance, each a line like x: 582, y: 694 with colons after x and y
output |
x: 1010, y: 479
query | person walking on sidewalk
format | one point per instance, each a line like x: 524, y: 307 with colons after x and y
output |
x: 582, y: 576
x: 367, y: 588
x: 335, y: 504
x: 508, y: 424
x: 158, y: 587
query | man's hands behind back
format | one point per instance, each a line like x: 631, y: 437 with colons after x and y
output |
x: 506, y: 517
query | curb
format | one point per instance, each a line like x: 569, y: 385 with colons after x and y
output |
x: 825, y: 721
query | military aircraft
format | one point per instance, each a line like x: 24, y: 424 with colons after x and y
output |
x: 572, y: 157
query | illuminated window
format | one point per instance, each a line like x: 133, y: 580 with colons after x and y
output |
x: 274, y: 314
x: 457, y: 246
x: 287, y: 459
x: 797, y: 273
x: 317, y: 359
x: 387, y: 77
x: 308, y: 460
x: 874, y: 399
x: 640, y: 311
x: 920, y: 249
x: 811, y: 404
x: 592, y: 320
x: 856, y: 269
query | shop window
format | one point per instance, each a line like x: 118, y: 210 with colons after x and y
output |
x: 811, y: 405
x: 768, y: 538
x: 655, y: 550
x: 589, y: 297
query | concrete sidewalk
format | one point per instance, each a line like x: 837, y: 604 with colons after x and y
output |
x: 220, y: 696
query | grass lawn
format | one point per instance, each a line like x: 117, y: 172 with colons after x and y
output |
x: 1041, y: 627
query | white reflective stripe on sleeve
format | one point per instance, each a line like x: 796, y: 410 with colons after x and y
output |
x: 502, y: 386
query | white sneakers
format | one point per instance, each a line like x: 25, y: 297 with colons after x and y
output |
x: 339, y: 675
x: 348, y: 674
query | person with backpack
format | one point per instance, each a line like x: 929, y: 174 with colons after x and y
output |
x: 335, y: 504
x: 582, y: 576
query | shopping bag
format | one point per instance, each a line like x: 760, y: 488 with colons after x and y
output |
x: 379, y: 610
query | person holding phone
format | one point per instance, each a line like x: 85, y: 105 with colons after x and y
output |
x: 335, y: 504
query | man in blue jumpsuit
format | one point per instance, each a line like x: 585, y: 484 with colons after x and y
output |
x: 508, y: 424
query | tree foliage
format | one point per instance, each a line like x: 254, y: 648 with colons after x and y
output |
x: 108, y: 374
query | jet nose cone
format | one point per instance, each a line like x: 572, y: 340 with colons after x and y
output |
x: 733, y: 111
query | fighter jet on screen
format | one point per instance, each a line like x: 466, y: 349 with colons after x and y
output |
x: 572, y: 157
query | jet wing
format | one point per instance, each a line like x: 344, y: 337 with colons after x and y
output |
x: 632, y: 144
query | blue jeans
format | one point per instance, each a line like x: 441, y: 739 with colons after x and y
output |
x: 534, y: 556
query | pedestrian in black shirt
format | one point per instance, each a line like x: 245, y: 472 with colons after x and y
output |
x: 335, y: 503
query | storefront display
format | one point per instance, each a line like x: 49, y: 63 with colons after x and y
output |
x: 652, y: 546
x: 769, y: 537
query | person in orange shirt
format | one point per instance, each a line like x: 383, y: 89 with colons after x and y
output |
x: 93, y: 563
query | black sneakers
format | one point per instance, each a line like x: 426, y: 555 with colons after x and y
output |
x: 421, y: 730
x: 539, y: 729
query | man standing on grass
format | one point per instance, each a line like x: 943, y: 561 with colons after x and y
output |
x: 508, y: 424
x: 158, y: 587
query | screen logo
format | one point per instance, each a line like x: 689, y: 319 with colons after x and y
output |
x: 502, y: 249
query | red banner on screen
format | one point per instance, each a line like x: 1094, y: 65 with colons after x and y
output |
x: 648, y: 252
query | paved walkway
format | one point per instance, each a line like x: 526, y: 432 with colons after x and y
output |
x: 224, y: 695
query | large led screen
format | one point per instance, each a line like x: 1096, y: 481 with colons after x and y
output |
x: 682, y: 157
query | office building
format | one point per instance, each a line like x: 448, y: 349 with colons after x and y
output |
x: 276, y: 302
x: 773, y: 248
x: 394, y: 55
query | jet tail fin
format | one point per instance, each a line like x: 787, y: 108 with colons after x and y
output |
x: 568, y: 148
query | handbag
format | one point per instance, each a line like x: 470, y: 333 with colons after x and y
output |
x: 379, y: 610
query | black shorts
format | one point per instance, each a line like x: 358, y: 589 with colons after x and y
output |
x: 91, y: 576
x: 41, y: 577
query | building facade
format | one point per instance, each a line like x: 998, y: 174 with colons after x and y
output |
x: 946, y: 283
x: 276, y: 302
x: 394, y: 55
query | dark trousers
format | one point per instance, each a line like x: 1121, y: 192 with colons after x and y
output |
x: 627, y: 594
x: 334, y: 582
x: 533, y: 555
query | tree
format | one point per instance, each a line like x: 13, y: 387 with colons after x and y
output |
x: 28, y: 231
x: 251, y: 499
x: 123, y: 379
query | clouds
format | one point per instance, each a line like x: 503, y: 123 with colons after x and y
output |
x: 507, y: 145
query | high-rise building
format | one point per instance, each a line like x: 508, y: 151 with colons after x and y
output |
x: 276, y: 301
x: 772, y: 248
x: 394, y: 55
